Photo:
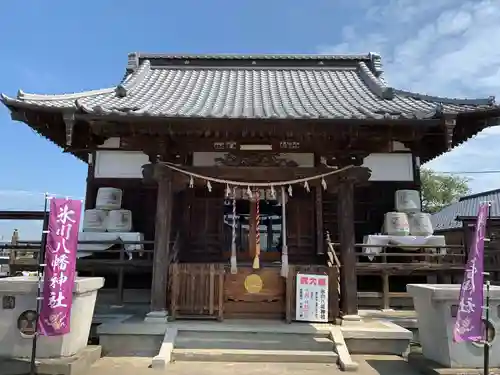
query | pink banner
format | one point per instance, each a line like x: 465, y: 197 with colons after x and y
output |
x: 60, y: 260
x: 469, y: 325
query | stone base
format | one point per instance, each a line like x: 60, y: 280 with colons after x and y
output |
x: 376, y: 337
x: 22, y: 290
x: 79, y: 364
x: 156, y: 317
x: 131, y: 339
x: 351, y: 318
x: 429, y: 367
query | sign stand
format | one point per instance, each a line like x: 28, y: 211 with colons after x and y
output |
x: 39, y: 297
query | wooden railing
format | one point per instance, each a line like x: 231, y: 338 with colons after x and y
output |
x: 174, y: 253
x: 332, y: 259
x: 24, y: 257
x: 411, y: 260
x: 197, y: 290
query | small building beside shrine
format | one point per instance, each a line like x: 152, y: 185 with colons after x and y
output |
x: 244, y: 177
x: 457, y: 222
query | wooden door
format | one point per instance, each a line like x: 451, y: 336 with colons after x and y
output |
x: 300, y: 227
x: 206, y: 225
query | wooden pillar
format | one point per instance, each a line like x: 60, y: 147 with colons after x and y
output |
x: 162, y: 239
x: 91, y: 190
x: 320, y: 231
x: 347, y: 251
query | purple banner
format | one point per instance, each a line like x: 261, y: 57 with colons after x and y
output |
x: 469, y: 324
x: 60, y: 260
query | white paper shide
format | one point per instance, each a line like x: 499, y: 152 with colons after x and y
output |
x: 312, y: 298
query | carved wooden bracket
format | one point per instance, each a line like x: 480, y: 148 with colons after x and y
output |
x: 450, y: 122
x: 254, y: 159
x: 161, y: 172
x: 338, y: 162
x: 162, y: 148
x: 69, y: 121
x: 148, y: 173
x: 153, y: 173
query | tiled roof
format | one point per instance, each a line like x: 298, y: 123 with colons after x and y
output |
x: 466, y: 206
x: 254, y: 86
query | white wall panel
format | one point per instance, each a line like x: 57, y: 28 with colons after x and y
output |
x: 119, y: 164
x: 390, y: 166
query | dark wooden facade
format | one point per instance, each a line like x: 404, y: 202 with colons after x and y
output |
x: 301, y: 107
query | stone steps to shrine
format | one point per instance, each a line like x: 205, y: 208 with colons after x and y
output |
x: 253, y: 347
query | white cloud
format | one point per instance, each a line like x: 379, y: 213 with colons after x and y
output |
x: 442, y: 47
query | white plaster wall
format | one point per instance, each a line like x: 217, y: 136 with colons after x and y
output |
x: 127, y: 164
x: 390, y: 167
x: 119, y: 164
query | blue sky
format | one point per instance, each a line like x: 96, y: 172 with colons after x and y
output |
x: 439, y: 47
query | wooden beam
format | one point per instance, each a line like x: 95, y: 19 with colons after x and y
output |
x: 163, y: 228
x: 347, y: 249
x: 22, y: 215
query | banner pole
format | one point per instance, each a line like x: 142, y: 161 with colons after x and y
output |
x: 486, y: 347
x: 41, y: 265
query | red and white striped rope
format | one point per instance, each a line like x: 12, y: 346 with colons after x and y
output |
x: 257, y: 218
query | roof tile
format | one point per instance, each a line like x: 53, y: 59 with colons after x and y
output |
x: 348, y: 87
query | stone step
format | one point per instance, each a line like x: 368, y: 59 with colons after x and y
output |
x: 248, y: 355
x: 253, y: 341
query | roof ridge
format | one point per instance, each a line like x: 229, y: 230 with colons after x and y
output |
x: 121, y: 89
x: 490, y: 101
x: 375, y: 84
x: 22, y: 96
x: 476, y: 195
x: 246, y: 56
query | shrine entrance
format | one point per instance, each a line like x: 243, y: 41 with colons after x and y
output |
x: 252, y: 220
x: 244, y: 245
x: 254, y: 223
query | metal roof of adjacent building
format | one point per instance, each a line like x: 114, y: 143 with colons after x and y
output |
x: 467, y: 206
x: 254, y: 86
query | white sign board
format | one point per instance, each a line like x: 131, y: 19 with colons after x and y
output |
x: 312, y: 298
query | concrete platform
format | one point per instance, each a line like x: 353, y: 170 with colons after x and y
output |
x: 404, y: 318
x: 253, y: 341
x: 131, y: 339
x: 374, y: 336
x: 78, y: 364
